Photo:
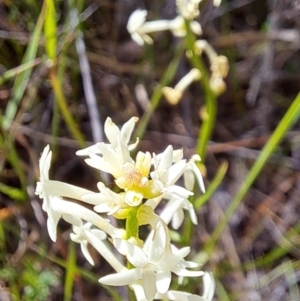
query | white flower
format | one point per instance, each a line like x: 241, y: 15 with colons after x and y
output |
x: 107, y: 201
x: 153, y: 264
x: 189, y: 9
x: 139, y: 28
x: 191, y: 172
x: 51, y: 192
x: 46, y: 188
x: 174, y: 211
x: 84, y: 234
x: 217, y: 2
x: 167, y: 173
x: 53, y: 216
x: 134, y: 25
x: 173, y: 95
x: 113, y: 134
x: 80, y: 235
x: 131, y: 176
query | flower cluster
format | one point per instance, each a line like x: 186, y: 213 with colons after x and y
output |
x: 188, y: 11
x: 143, y: 183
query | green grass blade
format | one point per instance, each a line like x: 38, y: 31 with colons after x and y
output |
x: 50, y: 30
x: 21, y: 80
x: 285, y: 124
x: 7, y: 144
x: 12, y: 192
x: 199, y: 202
x: 157, y: 93
x: 71, y: 268
x: 7, y: 75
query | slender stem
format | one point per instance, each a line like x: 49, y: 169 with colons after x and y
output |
x: 210, y: 113
x: 132, y: 230
x: 157, y: 93
x: 132, y: 224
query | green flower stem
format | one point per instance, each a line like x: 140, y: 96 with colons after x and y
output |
x: 132, y: 230
x: 132, y: 224
x: 288, y: 120
x: 210, y: 111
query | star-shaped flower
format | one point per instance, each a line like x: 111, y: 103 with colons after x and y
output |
x: 153, y: 263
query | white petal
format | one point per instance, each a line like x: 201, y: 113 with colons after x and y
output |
x: 122, y: 278
x: 62, y: 189
x: 139, y: 291
x: 86, y: 253
x: 123, y: 154
x: 111, y: 131
x: 134, y: 254
x: 177, y: 155
x: 192, y: 213
x: 163, y: 281
x: 175, y: 172
x: 168, y: 213
x: 136, y: 20
x: 102, y: 164
x: 189, y: 179
x: 198, y: 177
x: 94, y: 149
x: 73, y: 220
x: 149, y: 283
x: 157, y: 245
x: 177, y: 219
x: 179, y: 191
x: 186, y: 273
x: 209, y: 286
x: 99, y: 234
x: 172, y: 261
x: 53, y: 218
x: 166, y: 159
x: 44, y: 164
x: 127, y: 129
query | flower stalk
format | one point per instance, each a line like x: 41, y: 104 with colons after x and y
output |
x: 144, y: 183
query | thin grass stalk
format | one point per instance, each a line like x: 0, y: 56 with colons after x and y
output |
x: 22, y: 78
x: 157, y: 93
x: 62, y: 103
x: 215, y: 183
x: 288, y: 120
x: 70, y: 272
x: 11, y: 73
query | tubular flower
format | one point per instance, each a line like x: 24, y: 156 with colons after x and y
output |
x: 173, y: 95
x: 52, y: 191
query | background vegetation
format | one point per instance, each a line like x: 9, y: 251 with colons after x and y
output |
x: 64, y: 69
